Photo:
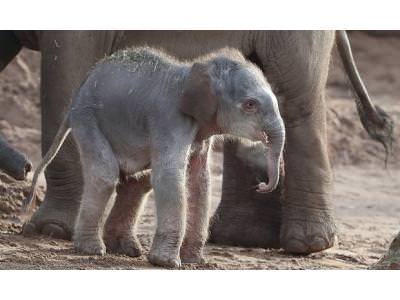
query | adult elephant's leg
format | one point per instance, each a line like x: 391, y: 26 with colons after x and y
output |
x: 67, y: 56
x: 245, y: 217
x: 307, y: 220
x: 299, y: 68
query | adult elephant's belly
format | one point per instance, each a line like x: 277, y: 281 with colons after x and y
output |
x: 187, y: 44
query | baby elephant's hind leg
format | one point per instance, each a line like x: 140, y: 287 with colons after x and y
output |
x: 198, y: 208
x: 120, y: 230
x: 100, y: 175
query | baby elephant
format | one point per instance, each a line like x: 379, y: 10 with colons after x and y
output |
x: 139, y: 109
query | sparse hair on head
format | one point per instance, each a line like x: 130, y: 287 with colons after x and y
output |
x: 227, y: 53
x: 133, y: 55
x: 148, y: 54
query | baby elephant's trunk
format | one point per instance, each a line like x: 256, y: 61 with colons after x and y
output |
x: 12, y: 162
x: 274, y: 140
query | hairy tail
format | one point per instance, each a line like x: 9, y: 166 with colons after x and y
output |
x: 58, y: 141
x: 375, y: 120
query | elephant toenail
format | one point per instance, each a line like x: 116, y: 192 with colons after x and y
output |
x: 29, y: 229
x: 55, y: 231
x: 319, y: 243
x: 175, y: 263
x: 296, y: 247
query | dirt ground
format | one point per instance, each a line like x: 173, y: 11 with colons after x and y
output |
x: 365, y: 198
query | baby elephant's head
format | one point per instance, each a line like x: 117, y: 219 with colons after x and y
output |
x: 225, y: 91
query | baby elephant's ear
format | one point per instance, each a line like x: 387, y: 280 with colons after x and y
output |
x: 198, y: 100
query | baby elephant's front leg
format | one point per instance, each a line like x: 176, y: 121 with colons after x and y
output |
x: 169, y: 193
x: 198, y: 185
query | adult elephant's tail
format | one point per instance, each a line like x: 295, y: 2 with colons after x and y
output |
x: 375, y: 120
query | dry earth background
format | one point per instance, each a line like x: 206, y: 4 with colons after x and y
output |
x: 366, y: 196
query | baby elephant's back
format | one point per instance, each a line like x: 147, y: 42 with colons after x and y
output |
x: 112, y: 100
x: 114, y: 88
x: 116, y: 82
x: 122, y: 91
x: 134, y: 75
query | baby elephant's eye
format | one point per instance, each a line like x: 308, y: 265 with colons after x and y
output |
x: 250, y: 105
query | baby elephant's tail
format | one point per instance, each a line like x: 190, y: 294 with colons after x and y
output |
x: 58, y: 141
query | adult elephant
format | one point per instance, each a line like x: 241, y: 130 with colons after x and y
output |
x: 297, y: 216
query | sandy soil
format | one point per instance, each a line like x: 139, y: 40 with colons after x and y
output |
x: 365, y: 194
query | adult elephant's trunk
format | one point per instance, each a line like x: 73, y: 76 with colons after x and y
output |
x: 12, y: 162
x: 274, y: 140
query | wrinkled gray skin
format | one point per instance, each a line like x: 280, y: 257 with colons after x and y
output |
x: 297, y: 216
x: 141, y: 109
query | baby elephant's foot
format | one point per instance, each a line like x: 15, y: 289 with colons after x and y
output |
x: 192, y: 255
x: 193, y: 259
x: 89, y: 245
x: 127, y: 244
x: 165, y: 252
x: 164, y: 260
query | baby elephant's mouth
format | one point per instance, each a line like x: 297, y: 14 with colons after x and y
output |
x: 262, y: 188
x: 264, y: 138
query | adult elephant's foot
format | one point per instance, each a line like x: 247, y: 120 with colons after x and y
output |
x: 245, y: 217
x: 306, y: 230
x: 252, y: 223
x: 55, y: 219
